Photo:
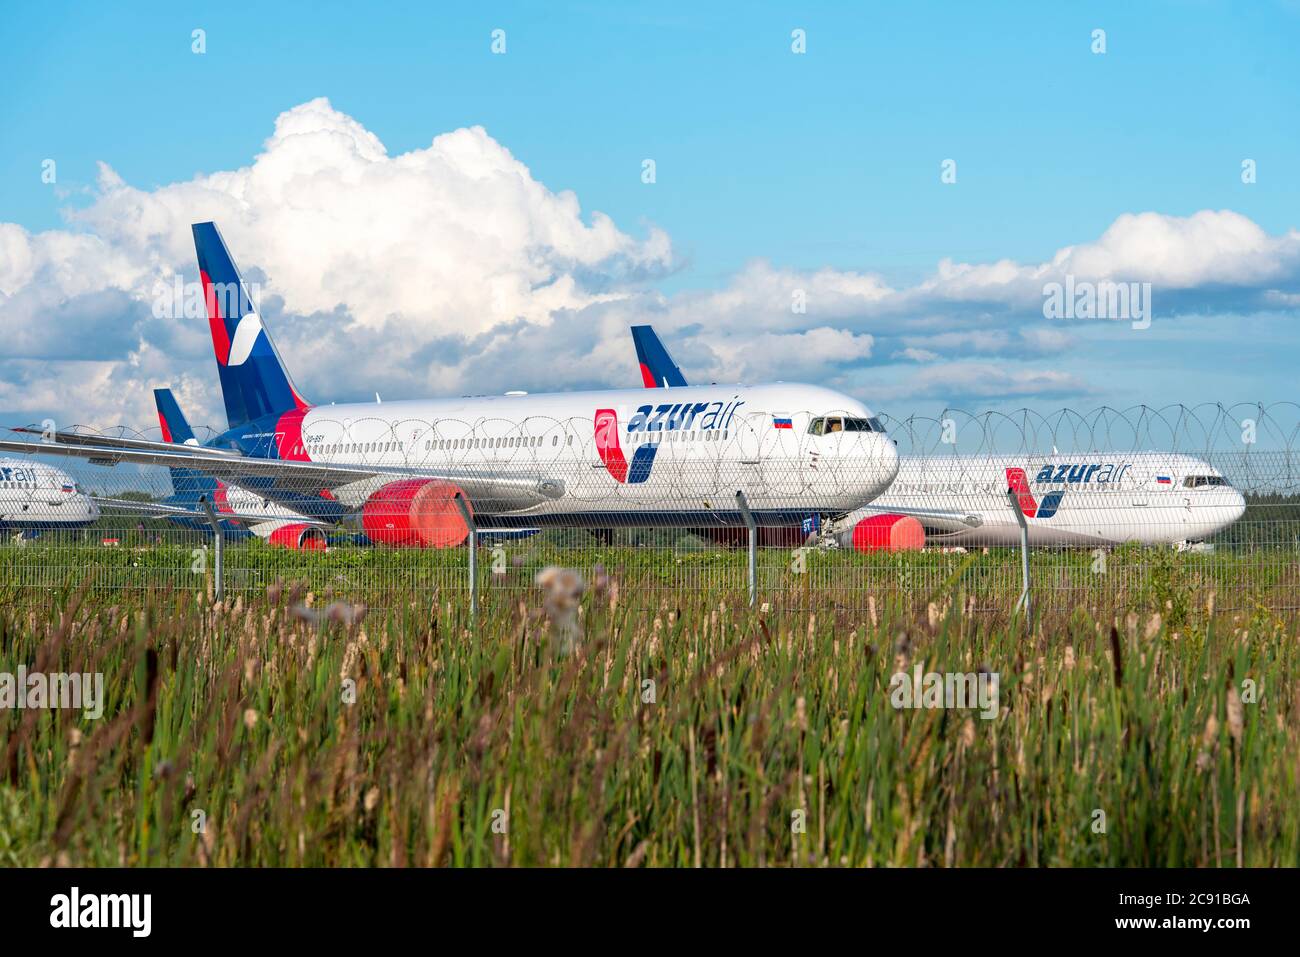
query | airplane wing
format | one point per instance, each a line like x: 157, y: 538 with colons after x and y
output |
x: 158, y: 510
x: 293, y: 479
x: 116, y: 443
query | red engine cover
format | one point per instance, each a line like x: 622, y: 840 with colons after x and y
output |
x: 888, y: 533
x: 298, y: 536
x: 415, y: 513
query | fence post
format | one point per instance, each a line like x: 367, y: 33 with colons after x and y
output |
x: 218, y: 545
x: 752, y: 525
x: 468, y: 516
x: 1023, y: 602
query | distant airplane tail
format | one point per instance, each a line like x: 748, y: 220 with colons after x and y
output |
x: 188, y: 484
x: 171, y: 419
x: 657, y: 366
x: 254, y: 381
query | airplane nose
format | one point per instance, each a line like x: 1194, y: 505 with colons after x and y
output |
x: 1238, y: 505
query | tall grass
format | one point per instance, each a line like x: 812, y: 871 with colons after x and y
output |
x: 1130, y: 576
x: 277, y: 730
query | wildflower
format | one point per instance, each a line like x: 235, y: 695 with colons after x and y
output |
x: 1236, y: 717
x: 562, y: 590
x: 1209, y: 743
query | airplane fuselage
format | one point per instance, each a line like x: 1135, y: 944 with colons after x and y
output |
x: 35, y: 496
x: 613, y: 456
x: 1074, y: 499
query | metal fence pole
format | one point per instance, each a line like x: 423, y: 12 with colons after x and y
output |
x: 752, y: 525
x: 1023, y: 602
x: 468, y: 516
x: 218, y: 546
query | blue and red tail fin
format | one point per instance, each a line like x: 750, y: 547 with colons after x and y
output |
x: 657, y: 366
x: 254, y: 381
x: 170, y: 418
x: 188, y: 484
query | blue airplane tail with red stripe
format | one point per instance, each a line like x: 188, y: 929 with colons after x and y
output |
x: 657, y: 367
x: 188, y: 484
x: 171, y: 420
x: 254, y: 381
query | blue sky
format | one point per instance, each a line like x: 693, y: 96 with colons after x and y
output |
x: 829, y: 160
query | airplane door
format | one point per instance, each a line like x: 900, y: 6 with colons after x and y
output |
x: 747, y: 441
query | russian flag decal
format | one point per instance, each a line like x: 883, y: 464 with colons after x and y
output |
x: 1163, y: 480
x: 781, y: 423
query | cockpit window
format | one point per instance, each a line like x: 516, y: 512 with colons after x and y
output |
x: 825, y: 425
x: 1200, y: 481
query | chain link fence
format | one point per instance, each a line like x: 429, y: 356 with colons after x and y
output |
x: 1158, y: 508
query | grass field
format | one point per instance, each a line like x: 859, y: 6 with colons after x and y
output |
x: 280, y: 730
x: 655, y: 567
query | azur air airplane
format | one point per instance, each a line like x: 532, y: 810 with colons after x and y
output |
x: 1097, y: 498
x: 35, y: 497
x: 593, y: 459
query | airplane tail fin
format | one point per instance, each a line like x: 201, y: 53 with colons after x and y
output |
x: 254, y: 381
x: 657, y: 366
x: 174, y: 426
x: 188, y: 484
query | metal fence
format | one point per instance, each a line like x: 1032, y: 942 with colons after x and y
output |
x: 1160, y: 508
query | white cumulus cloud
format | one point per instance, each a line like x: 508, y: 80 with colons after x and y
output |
x: 450, y: 269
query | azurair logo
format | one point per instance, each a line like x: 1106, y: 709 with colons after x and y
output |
x: 1018, y: 483
x: 611, y: 452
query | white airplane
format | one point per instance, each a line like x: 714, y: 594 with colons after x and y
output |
x: 1155, y: 498
x: 1081, y: 499
x: 39, y: 497
x: 586, y: 458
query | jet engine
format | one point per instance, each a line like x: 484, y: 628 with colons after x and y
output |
x: 415, y: 513
x: 298, y: 536
x: 887, y: 533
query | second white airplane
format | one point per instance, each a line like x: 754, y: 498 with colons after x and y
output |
x: 1098, y: 498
